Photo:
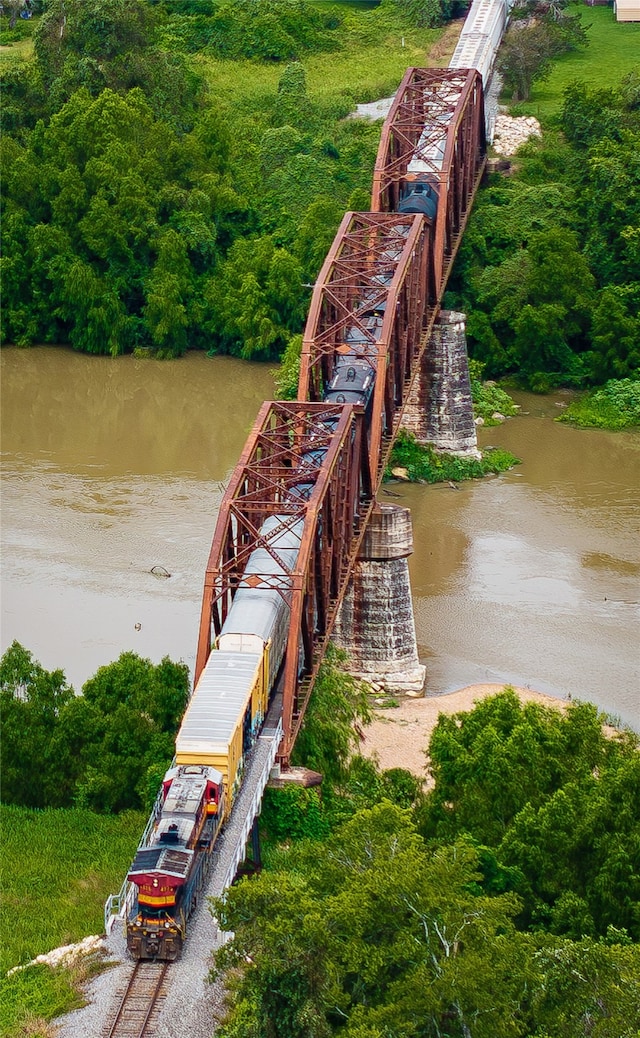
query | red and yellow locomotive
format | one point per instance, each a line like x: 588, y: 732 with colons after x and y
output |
x: 171, y: 869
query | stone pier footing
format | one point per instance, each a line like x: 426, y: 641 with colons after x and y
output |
x: 375, y: 624
x: 439, y: 410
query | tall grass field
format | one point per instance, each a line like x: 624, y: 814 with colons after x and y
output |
x: 613, y: 52
x: 58, y: 868
x: 370, y: 64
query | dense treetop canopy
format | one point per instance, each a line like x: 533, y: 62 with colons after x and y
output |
x: 377, y: 933
x: 106, y: 749
x: 142, y: 211
x: 549, y: 267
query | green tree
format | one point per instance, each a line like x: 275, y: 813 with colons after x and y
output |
x: 615, y: 333
x: 112, y: 224
x: 613, y: 201
x: 586, y: 988
x: 525, y: 57
x: 579, y: 852
x: 287, y: 375
x: 372, y: 936
x: 316, y: 233
x: 419, y: 13
x: 330, y: 731
x: 254, y: 301
x: 95, y: 44
x: 160, y: 692
x: 539, y: 787
x: 168, y: 290
x: 271, y: 30
x: 136, y: 707
x: 101, y: 749
x: 529, y: 47
x: 31, y: 703
x: 490, y: 763
x: 292, y: 102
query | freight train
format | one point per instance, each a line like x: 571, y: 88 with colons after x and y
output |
x: 221, y: 723
x: 233, y: 693
x: 480, y: 38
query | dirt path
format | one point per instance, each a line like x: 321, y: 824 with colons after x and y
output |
x: 399, y: 736
x: 440, y: 54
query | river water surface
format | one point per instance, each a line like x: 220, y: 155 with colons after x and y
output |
x: 114, y: 467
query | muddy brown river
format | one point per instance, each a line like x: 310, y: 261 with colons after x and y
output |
x: 113, y: 467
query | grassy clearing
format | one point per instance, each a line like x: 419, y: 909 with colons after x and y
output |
x: 35, y: 996
x: 370, y: 65
x: 16, y: 45
x: 613, y: 52
x: 21, y: 50
x: 59, y: 866
x: 58, y: 869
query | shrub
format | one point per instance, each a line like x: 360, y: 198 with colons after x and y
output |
x: 616, y: 405
x: 425, y: 465
x: 488, y: 397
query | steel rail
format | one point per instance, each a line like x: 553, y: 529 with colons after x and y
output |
x: 138, y: 1001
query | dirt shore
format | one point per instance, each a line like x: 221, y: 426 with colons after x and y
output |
x: 398, y: 736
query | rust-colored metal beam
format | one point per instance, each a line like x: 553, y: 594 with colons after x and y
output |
x: 396, y: 265
x: 277, y: 459
x: 434, y: 130
x: 382, y: 262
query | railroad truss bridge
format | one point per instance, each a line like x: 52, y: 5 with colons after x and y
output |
x: 377, y: 298
x: 315, y: 464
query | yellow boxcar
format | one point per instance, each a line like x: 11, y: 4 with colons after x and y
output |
x: 218, y: 722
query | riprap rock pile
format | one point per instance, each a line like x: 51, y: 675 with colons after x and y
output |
x: 511, y: 132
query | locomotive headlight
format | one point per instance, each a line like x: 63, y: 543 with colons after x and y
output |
x: 155, y: 882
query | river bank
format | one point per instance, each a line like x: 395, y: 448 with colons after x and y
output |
x: 399, y: 736
x: 112, y: 468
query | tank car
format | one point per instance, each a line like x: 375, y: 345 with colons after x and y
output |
x: 353, y: 376
x: 258, y: 621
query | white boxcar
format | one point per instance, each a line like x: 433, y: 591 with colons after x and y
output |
x: 480, y: 37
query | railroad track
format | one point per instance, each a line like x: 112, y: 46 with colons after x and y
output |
x: 135, y: 1013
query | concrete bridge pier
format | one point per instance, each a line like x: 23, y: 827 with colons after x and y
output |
x: 439, y: 409
x: 375, y: 624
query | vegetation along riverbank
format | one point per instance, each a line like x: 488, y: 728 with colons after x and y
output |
x: 211, y: 233
x: 538, y: 873
x: 174, y: 175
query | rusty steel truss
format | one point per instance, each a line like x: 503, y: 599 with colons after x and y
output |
x: 277, y: 459
x: 396, y: 265
x: 435, y: 129
x: 383, y: 262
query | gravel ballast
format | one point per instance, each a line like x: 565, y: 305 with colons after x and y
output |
x: 191, y: 1004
